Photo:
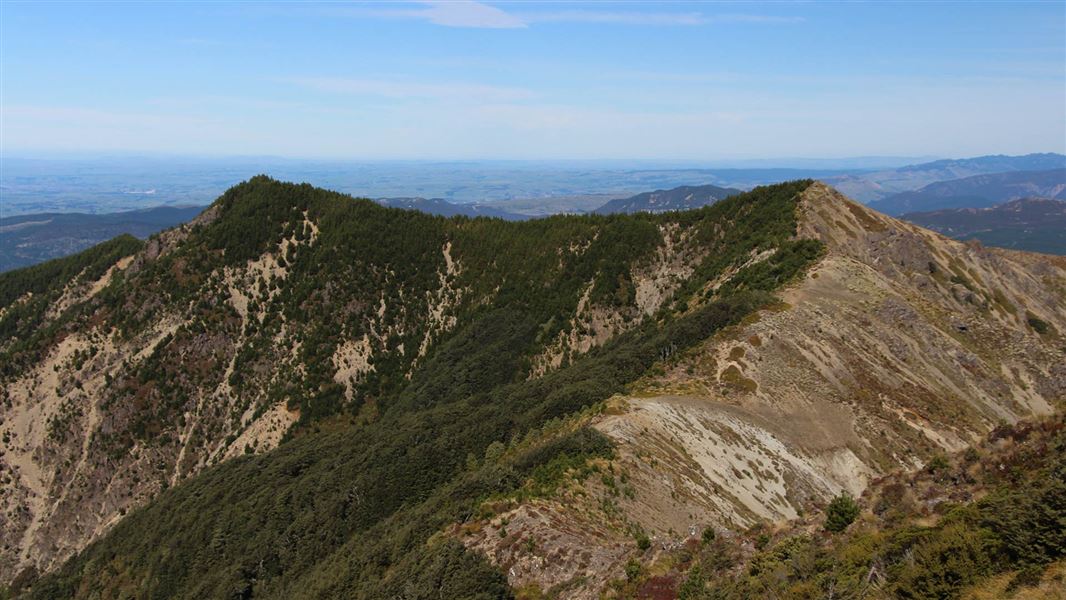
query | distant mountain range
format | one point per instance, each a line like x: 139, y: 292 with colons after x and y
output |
x: 979, y: 191
x: 971, y: 182
x: 679, y: 198
x: 878, y: 185
x: 1031, y: 224
x: 443, y: 208
x: 29, y: 239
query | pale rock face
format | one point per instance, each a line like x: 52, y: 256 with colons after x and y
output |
x: 61, y: 488
x: 897, y: 344
x: 654, y: 279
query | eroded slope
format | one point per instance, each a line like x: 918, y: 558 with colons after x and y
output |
x: 897, y: 345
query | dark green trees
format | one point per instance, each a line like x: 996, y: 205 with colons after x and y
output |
x: 840, y: 513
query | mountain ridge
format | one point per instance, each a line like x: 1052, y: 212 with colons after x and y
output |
x: 889, y: 352
x: 225, y: 335
x: 388, y: 381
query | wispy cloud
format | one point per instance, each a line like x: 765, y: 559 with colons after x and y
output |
x: 412, y: 89
x: 462, y: 13
x: 619, y: 18
x: 468, y: 13
x: 648, y: 18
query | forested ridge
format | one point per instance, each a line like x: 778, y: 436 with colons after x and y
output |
x: 353, y: 502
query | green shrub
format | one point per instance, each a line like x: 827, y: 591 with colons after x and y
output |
x: 945, y: 562
x: 1039, y: 325
x: 939, y: 462
x: 841, y: 512
x: 633, y: 569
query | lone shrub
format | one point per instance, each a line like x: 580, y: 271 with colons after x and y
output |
x: 1039, y: 325
x: 840, y: 513
x: 633, y: 569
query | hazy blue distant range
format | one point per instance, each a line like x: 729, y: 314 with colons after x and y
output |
x: 112, y: 184
x: 29, y: 239
x: 1031, y: 224
x: 872, y: 186
x: 439, y: 206
x: 978, y: 191
x: 680, y: 198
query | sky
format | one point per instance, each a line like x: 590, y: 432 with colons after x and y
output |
x: 509, y: 80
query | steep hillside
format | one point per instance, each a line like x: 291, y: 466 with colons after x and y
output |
x: 681, y: 198
x: 980, y: 191
x: 29, y: 239
x: 898, y: 345
x: 1030, y: 224
x: 397, y: 353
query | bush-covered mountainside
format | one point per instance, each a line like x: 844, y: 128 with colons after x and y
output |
x: 409, y: 366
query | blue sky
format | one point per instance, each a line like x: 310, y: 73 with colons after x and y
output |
x: 456, y: 80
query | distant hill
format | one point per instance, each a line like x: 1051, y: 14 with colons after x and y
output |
x: 878, y: 185
x: 992, y: 163
x: 29, y: 239
x: 979, y: 191
x: 1032, y: 224
x: 441, y: 207
x: 679, y: 198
